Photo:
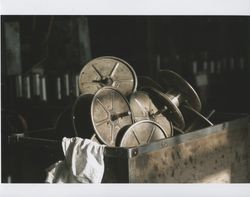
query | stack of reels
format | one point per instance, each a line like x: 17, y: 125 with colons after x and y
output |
x: 112, y: 110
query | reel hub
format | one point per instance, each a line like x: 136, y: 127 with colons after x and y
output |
x: 143, y: 108
x: 107, y: 71
x: 110, y: 112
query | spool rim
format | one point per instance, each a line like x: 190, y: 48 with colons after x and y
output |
x: 130, y: 68
x: 127, y: 132
x: 146, y: 81
x: 198, y: 115
x: 99, y: 134
x: 171, y: 78
x: 174, y: 113
x: 147, y: 109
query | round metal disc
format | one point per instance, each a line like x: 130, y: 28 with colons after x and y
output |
x: 107, y: 71
x: 194, y: 120
x: 145, y: 81
x: 142, y: 132
x: 81, y: 116
x: 173, y: 113
x: 171, y: 80
x: 110, y: 112
x: 143, y: 108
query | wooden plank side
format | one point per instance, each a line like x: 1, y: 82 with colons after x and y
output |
x: 219, y: 157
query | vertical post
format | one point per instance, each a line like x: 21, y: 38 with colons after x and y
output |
x: 84, y: 41
x: 59, y: 88
x: 12, y: 47
x: 43, y: 89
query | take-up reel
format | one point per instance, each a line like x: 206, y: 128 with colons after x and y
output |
x: 178, y: 92
x: 110, y: 112
x: 144, y: 108
x: 140, y: 133
x: 105, y: 112
x: 107, y: 71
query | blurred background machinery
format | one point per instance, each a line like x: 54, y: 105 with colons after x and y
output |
x: 42, y: 57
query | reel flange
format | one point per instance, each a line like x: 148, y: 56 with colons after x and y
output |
x: 194, y: 120
x: 140, y: 133
x: 145, y: 81
x: 179, y: 90
x: 107, y: 71
x: 110, y: 112
x: 171, y: 109
x: 143, y: 108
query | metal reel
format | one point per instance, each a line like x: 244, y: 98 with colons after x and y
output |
x: 194, y: 120
x: 143, y: 108
x: 110, y: 112
x: 140, y: 133
x: 172, y: 82
x: 172, y: 111
x: 107, y: 71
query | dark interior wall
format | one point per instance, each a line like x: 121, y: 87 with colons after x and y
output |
x: 121, y: 36
x: 53, y: 42
x: 134, y: 38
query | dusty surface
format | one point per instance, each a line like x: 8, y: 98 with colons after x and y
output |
x: 217, y: 158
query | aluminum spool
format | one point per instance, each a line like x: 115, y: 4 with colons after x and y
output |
x: 107, y: 71
x: 172, y: 111
x: 177, y: 92
x: 143, y: 108
x: 110, y: 112
x: 172, y: 82
x: 194, y: 120
x: 140, y: 133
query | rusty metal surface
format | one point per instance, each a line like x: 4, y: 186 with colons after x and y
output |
x: 184, y: 158
x: 172, y: 81
x: 110, y: 112
x: 143, y: 108
x: 215, y: 154
x: 107, y: 71
x: 225, y: 121
x: 140, y: 133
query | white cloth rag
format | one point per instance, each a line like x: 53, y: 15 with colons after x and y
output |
x: 84, y: 162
